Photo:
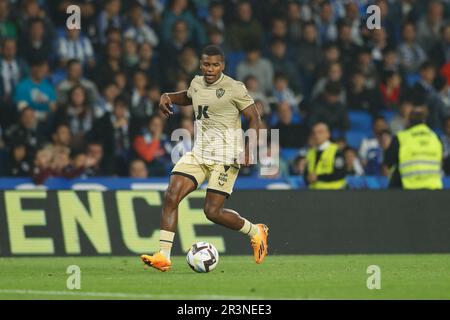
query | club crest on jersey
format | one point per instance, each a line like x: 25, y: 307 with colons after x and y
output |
x: 220, y: 92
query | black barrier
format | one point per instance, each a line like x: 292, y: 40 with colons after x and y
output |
x: 301, y: 222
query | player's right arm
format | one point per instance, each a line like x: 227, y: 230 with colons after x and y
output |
x: 179, y: 98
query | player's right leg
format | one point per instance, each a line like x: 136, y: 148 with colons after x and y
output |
x: 179, y: 187
x: 186, y: 176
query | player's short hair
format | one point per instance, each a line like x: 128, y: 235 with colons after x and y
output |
x: 213, y: 50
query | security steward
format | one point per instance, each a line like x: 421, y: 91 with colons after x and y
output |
x: 325, y: 165
x: 414, y: 157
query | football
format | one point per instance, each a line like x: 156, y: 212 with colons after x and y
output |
x: 202, y: 257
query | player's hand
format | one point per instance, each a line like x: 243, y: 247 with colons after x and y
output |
x: 165, y: 105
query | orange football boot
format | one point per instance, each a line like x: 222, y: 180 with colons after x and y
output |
x: 157, y: 261
x: 259, y: 243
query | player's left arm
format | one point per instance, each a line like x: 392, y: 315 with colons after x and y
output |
x: 252, y: 115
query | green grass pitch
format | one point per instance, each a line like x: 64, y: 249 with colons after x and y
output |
x: 236, y: 277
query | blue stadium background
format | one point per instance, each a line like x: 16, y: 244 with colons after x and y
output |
x: 89, y: 99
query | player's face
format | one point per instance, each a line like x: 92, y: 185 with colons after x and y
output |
x: 212, y: 67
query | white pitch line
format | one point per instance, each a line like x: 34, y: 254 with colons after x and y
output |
x: 129, y: 295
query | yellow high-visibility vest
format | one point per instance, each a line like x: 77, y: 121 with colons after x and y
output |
x: 325, y: 165
x: 420, y: 158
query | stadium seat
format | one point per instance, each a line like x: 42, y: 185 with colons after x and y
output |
x: 360, y: 121
x: 388, y: 115
x: 289, y: 154
x: 412, y: 78
x: 354, y: 138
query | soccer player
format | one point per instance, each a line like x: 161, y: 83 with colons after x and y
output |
x: 218, y: 102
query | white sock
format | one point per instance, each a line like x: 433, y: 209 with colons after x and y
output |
x: 249, y: 229
x: 166, y: 242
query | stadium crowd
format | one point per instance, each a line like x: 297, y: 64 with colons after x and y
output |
x: 85, y: 102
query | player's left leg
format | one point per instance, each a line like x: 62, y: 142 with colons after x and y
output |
x: 220, y: 186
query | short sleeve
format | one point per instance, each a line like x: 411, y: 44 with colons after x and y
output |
x: 190, y: 89
x: 242, y: 98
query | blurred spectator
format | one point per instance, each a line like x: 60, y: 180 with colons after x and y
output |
x: 147, y: 64
x: 354, y: 20
x: 216, y: 37
x: 75, y: 78
x: 327, y: 108
x: 130, y: 53
x: 295, y: 22
x: 414, y: 156
x: 292, y: 135
x: 330, y: 55
x: 282, y: 92
x: 281, y: 63
x: 390, y: 61
x: 112, y: 130
x: 20, y: 163
x: 62, y: 136
x: 347, y: 45
x: 110, y: 65
x: 325, y: 162
x: 257, y: 66
x: 353, y: 165
x: 440, y: 53
x: 278, y: 30
x: 35, y: 43
x: 390, y: 88
x: 30, y: 10
x: 255, y: 91
x: 138, y: 169
x: 25, y: 132
x: 178, y: 11
x: 172, y: 48
x: 425, y: 89
x: 378, y: 43
x: 106, y: 101
x: 36, y: 92
x: 366, y: 65
x: 429, y: 26
x: 189, y: 64
x: 334, y: 75
x: 78, y: 114
x: 360, y: 97
x: 109, y: 17
x: 326, y: 24
x: 215, y: 16
x: 141, y: 107
x: 445, y: 138
x: 443, y: 89
x: 42, y: 165
x: 8, y: 28
x: 309, y: 52
x: 138, y: 30
x: 400, y: 120
x: 150, y: 147
x: 298, y: 166
x: 371, y: 151
x: 74, y: 45
x: 245, y: 29
x: 101, y: 165
x: 12, y: 70
x: 411, y: 54
x: 55, y: 161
